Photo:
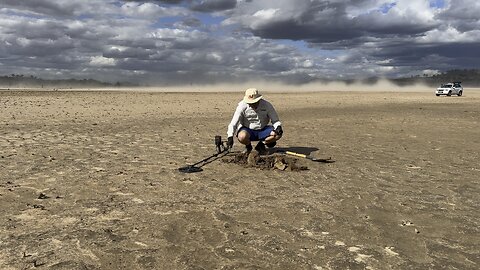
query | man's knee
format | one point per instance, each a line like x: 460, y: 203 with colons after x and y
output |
x: 243, y: 137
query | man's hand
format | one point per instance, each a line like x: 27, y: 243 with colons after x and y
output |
x: 279, y: 130
x: 230, y: 142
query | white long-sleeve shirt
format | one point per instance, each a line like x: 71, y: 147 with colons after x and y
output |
x: 256, y: 119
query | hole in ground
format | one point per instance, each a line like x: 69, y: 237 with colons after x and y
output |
x: 269, y: 162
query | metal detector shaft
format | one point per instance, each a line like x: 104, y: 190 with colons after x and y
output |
x: 212, y: 156
x: 194, y: 168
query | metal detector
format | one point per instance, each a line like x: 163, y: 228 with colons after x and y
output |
x: 197, y: 167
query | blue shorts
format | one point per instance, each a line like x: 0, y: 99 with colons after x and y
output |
x: 257, y: 135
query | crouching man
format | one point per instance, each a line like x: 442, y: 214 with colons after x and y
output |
x: 251, y: 122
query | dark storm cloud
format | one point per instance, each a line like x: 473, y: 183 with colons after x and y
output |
x: 462, y: 14
x: 192, y: 22
x: 387, y: 33
x: 137, y: 53
x: 462, y: 9
x: 432, y: 56
x: 325, y: 22
x: 198, y: 5
x: 158, y: 1
x: 38, y: 30
x: 40, y: 6
x: 292, y: 29
x: 213, y: 5
x: 58, y: 8
x: 37, y: 47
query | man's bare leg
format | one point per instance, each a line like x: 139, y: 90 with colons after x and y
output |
x: 244, y: 137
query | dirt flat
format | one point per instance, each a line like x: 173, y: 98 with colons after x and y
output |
x: 90, y: 180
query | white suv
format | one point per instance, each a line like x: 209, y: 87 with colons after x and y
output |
x: 454, y: 88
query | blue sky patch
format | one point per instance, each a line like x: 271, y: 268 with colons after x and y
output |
x: 386, y: 7
x: 437, y: 3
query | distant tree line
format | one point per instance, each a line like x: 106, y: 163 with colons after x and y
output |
x: 468, y: 77
x: 20, y: 80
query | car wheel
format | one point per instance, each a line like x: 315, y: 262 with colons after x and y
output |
x: 449, y: 93
x: 437, y: 95
x: 460, y: 93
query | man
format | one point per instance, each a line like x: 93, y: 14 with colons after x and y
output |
x: 251, y: 121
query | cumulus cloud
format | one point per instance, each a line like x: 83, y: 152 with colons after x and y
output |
x: 334, y: 21
x: 205, y: 41
x: 410, y: 34
x: 101, y: 61
x: 145, y: 10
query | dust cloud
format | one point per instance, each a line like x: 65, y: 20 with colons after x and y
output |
x: 264, y: 86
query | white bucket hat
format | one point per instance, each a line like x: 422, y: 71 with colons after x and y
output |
x: 252, y: 96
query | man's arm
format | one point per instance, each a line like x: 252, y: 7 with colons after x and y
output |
x: 272, y: 113
x: 235, y: 120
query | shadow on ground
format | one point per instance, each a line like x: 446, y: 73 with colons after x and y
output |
x: 297, y: 149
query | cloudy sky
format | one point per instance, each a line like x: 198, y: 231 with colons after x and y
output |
x: 211, y: 41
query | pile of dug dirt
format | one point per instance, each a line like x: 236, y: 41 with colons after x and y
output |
x: 270, y: 162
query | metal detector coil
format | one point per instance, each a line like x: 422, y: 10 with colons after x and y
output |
x: 190, y: 169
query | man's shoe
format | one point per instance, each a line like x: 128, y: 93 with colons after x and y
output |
x: 248, y: 149
x: 261, y: 148
x: 271, y: 145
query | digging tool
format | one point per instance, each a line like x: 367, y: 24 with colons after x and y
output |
x: 197, y: 167
x: 324, y: 160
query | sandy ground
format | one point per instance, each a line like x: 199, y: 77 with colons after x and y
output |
x: 89, y: 180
